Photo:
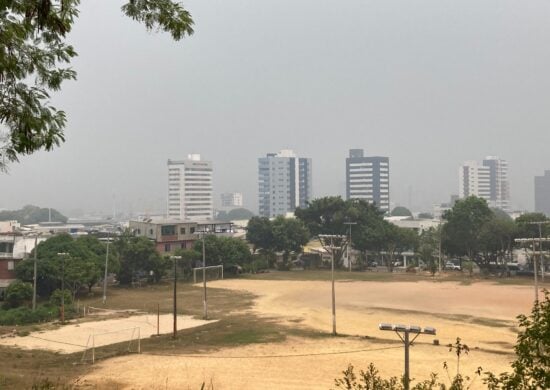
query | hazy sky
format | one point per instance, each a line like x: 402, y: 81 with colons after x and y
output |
x: 427, y: 83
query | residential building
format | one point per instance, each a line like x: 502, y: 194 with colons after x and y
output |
x: 542, y: 193
x: 14, y: 247
x: 170, y: 235
x: 368, y: 178
x: 190, y: 192
x: 285, y: 183
x: 488, y: 180
x: 231, y: 200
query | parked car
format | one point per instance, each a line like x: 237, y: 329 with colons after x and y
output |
x: 397, y: 264
x: 452, y: 266
x: 373, y: 263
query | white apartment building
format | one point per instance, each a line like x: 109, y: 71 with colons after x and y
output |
x: 231, y: 200
x: 190, y: 191
x: 488, y: 180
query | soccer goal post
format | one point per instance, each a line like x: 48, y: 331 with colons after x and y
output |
x: 214, y: 271
x: 112, y: 343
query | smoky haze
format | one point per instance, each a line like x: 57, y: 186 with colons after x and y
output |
x: 429, y: 84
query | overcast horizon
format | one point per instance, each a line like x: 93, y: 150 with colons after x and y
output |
x: 429, y: 84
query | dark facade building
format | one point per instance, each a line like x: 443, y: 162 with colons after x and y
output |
x: 542, y: 193
x: 368, y: 178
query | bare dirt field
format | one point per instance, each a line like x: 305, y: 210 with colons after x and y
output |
x: 74, y: 337
x: 482, y: 314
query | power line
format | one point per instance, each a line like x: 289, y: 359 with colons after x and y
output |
x: 274, y: 356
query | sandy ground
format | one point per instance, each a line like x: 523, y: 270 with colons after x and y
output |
x: 482, y: 314
x: 75, y: 337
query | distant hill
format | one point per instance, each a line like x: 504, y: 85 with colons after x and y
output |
x: 32, y: 214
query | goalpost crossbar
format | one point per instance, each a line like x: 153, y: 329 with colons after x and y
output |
x: 220, y: 267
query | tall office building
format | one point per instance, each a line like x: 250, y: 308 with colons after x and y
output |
x: 542, y: 193
x: 488, y: 180
x: 190, y: 189
x: 368, y: 178
x: 284, y: 183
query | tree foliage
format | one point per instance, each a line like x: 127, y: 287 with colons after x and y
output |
x: 401, y: 211
x: 17, y: 294
x: 32, y: 214
x: 234, y: 215
x: 83, y: 266
x: 138, y: 258
x: 223, y: 250
x: 35, y: 61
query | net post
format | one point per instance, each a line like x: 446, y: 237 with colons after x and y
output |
x: 222, y: 271
x: 139, y: 340
x: 194, y: 276
x: 93, y: 349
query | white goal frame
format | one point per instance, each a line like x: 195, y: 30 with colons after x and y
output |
x: 90, y: 344
x: 206, y: 268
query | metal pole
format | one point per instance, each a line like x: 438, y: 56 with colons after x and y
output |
x: 63, y: 290
x: 333, y: 293
x: 535, y: 272
x: 406, y: 378
x: 347, y: 248
x: 204, y: 301
x: 106, y: 268
x: 158, y: 319
x: 175, y: 298
x: 35, y: 272
x: 540, y: 253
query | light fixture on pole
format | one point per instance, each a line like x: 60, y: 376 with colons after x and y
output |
x: 62, y: 255
x: 541, y: 240
x: 175, y: 311
x: 333, y: 243
x: 348, y: 247
x: 404, y: 331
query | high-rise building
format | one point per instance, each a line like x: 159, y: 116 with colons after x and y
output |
x: 190, y: 189
x: 231, y: 200
x: 368, y: 178
x: 542, y: 193
x: 284, y: 183
x: 488, y: 180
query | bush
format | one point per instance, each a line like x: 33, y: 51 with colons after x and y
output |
x: 17, y: 294
x: 24, y: 315
x: 55, y: 298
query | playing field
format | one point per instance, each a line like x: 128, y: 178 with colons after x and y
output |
x: 481, y: 314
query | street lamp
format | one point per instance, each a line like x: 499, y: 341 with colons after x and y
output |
x: 106, y: 268
x: 327, y: 241
x: 406, y: 330
x: 62, y: 255
x: 349, y: 243
x: 175, y: 259
x: 541, y: 240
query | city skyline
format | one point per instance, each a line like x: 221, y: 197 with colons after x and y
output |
x: 466, y: 84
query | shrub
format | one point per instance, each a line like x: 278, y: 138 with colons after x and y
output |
x: 55, y: 298
x: 24, y: 315
x: 17, y: 294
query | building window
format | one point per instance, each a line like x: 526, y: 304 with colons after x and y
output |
x: 168, y: 230
x: 192, y: 230
x: 183, y: 245
x: 167, y: 247
x: 182, y: 230
x: 11, y: 265
x: 151, y: 231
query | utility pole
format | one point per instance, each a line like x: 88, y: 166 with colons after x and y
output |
x: 106, y: 268
x: 349, y: 243
x: 62, y: 256
x: 35, y: 271
x: 535, y: 270
x: 175, y: 309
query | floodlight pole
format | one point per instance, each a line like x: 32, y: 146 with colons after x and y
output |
x: 535, y: 271
x: 175, y: 309
x: 349, y: 243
